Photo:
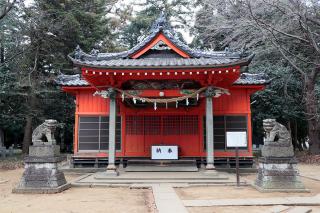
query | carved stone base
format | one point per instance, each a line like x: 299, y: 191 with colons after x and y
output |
x: 111, y: 172
x: 278, y: 174
x: 210, y: 166
x: 41, y: 190
x: 43, y: 150
x: 41, y: 174
x: 107, y: 174
x: 274, y: 149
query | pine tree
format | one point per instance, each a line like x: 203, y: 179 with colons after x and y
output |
x: 179, y: 12
x: 48, y: 31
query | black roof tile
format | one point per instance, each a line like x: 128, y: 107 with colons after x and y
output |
x: 245, y: 79
x: 197, y: 57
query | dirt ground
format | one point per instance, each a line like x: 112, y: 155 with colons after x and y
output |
x: 79, y: 200
x: 214, y: 192
x: 230, y: 192
x: 73, y: 200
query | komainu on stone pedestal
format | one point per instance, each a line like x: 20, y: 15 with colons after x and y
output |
x: 278, y: 166
x: 41, y: 173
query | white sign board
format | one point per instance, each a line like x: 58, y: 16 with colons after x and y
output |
x: 236, y: 139
x: 164, y: 152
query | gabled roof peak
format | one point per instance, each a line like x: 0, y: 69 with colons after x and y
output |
x: 162, y: 27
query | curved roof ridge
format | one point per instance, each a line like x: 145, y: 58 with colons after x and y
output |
x: 160, y: 25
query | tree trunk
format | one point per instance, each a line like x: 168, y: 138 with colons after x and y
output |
x: 27, y: 138
x: 312, y: 112
x: 15, y: 141
x: 1, y: 53
x: 1, y: 137
x: 292, y: 125
x: 295, y: 135
x: 290, y: 131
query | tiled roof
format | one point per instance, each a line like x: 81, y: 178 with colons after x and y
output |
x: 197, y: 57
x: 252, y: 79
x: 164, y: 62
x: 70, y: 80
x: 245, y: 79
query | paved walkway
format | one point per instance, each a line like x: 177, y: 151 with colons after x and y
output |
x: 300, y: 201
x: 166, y: 199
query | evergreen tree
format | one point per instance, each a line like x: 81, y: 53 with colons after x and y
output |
x: 179, y: 12
x: 49, y: 31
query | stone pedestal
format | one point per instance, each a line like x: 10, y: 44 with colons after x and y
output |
x: 106, y: 175
x: 110, y: 172
x: 3, y: 152
x: 277, y: 150
x: 278, y: 174
x: 41, y: 173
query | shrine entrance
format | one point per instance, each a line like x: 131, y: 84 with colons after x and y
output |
x: 143, y: 131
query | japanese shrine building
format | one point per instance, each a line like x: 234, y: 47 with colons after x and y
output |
x: 161, y: 92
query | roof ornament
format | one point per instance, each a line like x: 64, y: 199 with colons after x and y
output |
x: 78, y: 53
x: 160, y: 46
x: 94, y: 52
x: 109, y: 93
x: 243, y: 52
x: 229, y: 52
x: 161, y: 23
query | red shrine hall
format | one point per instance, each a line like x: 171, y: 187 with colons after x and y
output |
x: 162, y: 93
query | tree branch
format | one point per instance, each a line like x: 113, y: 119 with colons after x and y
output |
x: 287, y: 58
x: 7, y: 7
x: 266, y: 26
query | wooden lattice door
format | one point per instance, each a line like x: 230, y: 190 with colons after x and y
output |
x: 144, y: 131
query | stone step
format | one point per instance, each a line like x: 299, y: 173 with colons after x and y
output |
x: 147, y: 165
x: 167, y: 178
x: 103, y: 182
x: 160, y: 162
x: 158, y: 168
x: 129, y: 178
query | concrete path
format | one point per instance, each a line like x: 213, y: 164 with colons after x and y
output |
x: 166, y: 199
x: 289, y: 209
x: 299, y: 201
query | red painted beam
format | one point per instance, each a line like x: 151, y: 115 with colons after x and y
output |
x: 160, y: 37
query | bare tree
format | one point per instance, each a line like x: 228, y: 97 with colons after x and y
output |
x: 289, y: 28
x: 296, y: 36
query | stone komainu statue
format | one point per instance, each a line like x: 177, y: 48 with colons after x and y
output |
x: 277, y: 169
x: 276, y: 132
x: 47, y: 130
x: 278, y: 141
